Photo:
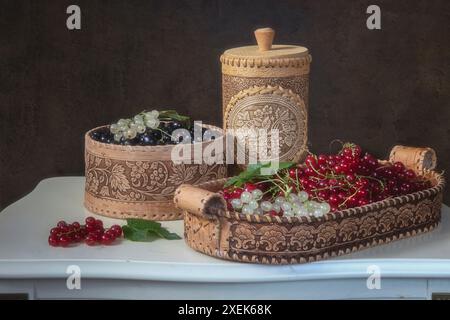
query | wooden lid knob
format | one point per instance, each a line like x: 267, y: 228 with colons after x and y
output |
x: 264, y: 38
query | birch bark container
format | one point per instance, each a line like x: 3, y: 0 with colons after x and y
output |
x: 212, y: 229
x: 139, y: 181
x: 266, y: 87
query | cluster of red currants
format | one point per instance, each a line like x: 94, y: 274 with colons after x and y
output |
x: 349, y: 179
x: 92, y: 233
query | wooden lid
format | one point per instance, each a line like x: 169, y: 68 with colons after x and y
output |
x: 265, y: 49
x: 265, y: 54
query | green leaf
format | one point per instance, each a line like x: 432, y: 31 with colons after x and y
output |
x: 254, y: 171
x: 285, y: 165
x: 138, y: 235
x: 143, y: 224
x: 146, y: 231
x: 173, y: 115
x: 164, y: 233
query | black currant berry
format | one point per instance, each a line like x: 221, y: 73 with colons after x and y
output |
x: 155, y: 134
x: 146, y: 140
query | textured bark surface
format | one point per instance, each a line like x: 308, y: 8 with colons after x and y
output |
x: 377, y: 88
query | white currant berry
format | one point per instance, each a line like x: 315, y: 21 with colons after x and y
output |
x: 303, y: 196
x: 133, y: 125
x: 148, y: 116
x: 266, y: 206
x: 246, y: 197
x: 236, y: 203
x: 130, y: 134
x: 151, y: 123
x: 140, y: 128
x: 118, y: 136
x: 123, y: 127
x: 138, y: 119
x: 257, y: 194
x: 325, y: 207
x: 296, y: 205
x: 155, y: 114
x: 303, y: 211
x: 317, y: 213
x: 296, y: 211
x: 247, y: 210
x: 292, y: 197
x: 280, y: 200
x: 114, y: 128
x: 276, y: 207
x: 286, y: 206
x: 258, y: 211
x: 122, y: 122
x: 253, y: 204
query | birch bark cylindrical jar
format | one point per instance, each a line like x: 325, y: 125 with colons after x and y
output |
x: 266, y: 87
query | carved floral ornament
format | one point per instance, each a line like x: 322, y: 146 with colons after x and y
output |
x: 272, y: 109
x: 143, y: 180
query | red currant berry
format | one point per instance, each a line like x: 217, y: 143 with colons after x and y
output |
x: 293, y: 173
x: 64, y: 241
x: 99, y: 223
x: 55, y: 231
x: 363, y: 193
x: 90, y: 220
x: 76, y: 225
x: 91, y: 227
x: 332, y: 182
x: 77, y: 237
x: 357, y: 151
x: 117, y: 230
x: 322, y: 159
x: 53, y: 240
x: 323, y: 194
x: 61, y: 224
x: 106, y: 239
x: 399, y: 167
x: 363, y: 202
x: 236, y: 193
x: 350, y: 178
x: 333, y: 200
x: 410, y: 174
x: 91, y: 240
x: 347, y: 152
x: 311, y: 161
x: 249, y: 187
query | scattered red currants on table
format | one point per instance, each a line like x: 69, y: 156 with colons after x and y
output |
x: 92, y: 233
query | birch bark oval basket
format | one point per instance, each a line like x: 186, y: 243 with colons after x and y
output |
x: 139, y: 181
x: 211, y: 229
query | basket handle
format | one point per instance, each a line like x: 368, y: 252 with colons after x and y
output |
x: 199, y: 201
x: 417, y: 159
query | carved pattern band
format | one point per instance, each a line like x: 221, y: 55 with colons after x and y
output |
x: 266, y: 68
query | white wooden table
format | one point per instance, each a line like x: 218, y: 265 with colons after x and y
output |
x: 411, y: 268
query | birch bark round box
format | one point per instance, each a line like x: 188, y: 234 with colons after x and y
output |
x: 266, y: 87
x: 139, y: 181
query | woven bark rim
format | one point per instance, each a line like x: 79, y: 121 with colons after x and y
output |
x: 246, y: 62
x: 416, y: 196
x: 118, y: 147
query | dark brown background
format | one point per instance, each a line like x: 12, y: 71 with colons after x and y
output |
x: 377, y: 88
